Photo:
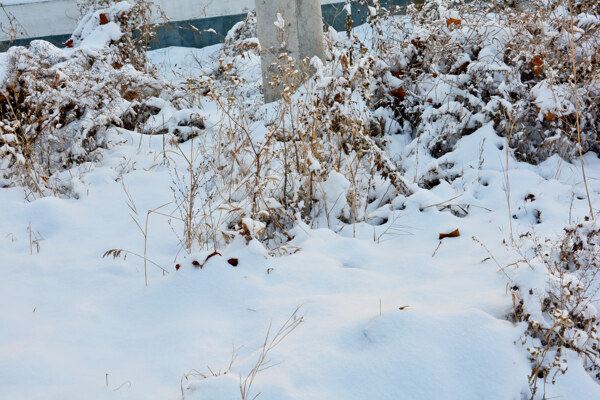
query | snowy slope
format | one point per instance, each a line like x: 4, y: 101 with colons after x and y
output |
x: 385, y: 309
x: 73, y: 322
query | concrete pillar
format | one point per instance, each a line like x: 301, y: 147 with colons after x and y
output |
x: 301, y: 34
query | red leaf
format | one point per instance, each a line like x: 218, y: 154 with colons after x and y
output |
x: 537, y: 64
x: 549, y: 116
x: 177, y: 267
x: 452, y: 21
x: 403, y: 308
x: 462, y: 68
x: 215, y: 253
x: 233, y: 261
x: 399, y: 93
x: 103, y: 19
x: 197, y: 264
x: 69, y: 43
x: 454, y: 233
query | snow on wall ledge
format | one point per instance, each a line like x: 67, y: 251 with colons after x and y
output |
x: 54, y: 20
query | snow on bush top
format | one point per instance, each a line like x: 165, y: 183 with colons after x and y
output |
x: 98, y: 29
x: 59, y: 102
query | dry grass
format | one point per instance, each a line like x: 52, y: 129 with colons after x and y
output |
x: 262, y: 363
x: 562, y: 317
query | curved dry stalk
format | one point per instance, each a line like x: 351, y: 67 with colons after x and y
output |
x: 269, y: 344
x: 579, y: 148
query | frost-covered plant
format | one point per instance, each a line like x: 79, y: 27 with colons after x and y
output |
x: 563, y: 317
x: 56, y: 104
x: 137, y: 25
x: 321, y: 157
x: 241, y: 38
x: 461, y: 65
x: 10, y: 27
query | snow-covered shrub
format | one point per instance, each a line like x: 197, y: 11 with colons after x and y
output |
x: 462, y: 65
x: 320, y: 155
x: 135, y: 20
x: 436, y: 75
x: 562, y: 318
x: 57, y: 103
x: 242, y: 38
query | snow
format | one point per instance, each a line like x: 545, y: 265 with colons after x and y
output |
x: 388, y: 310
x: 280, y: 23
x: 70, y: 317
x: 3, y: 66
x: 15, y: 2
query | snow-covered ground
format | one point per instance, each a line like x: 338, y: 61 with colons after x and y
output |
x: 384, y: 311
x: 382, y: 319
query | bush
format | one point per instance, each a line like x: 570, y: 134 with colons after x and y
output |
x: 57, y: 104
x: 562, y: 317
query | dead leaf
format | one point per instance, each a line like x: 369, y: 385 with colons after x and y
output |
x: 103, y: 19
x: 177, y: 267
x: 196, y: 264
x: 233, y: 262
x: 214, y: 253
x: 403, y: 308
x: 549, y: 116
x: 452, y: 21
x: 454, y: 233
x: 463, y: 68
x: 537, y: 64
x: 399, y: 93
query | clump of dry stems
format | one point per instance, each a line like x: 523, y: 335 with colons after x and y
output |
x: 562, y: 317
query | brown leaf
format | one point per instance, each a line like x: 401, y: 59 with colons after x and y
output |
x: 399, y: 93
x: 177, y: 267
x: 69, y: 43
x: 537, y: 64
x: 417, y: 43
x: 454, y: 233
x: 452, y: 21
x: 403, y: 308
x: 197, y: 264
x: 549, y: 116
x: 214, y: 253
x: 103, y: 19
x: 233, y: 262
x: 462, y: 68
